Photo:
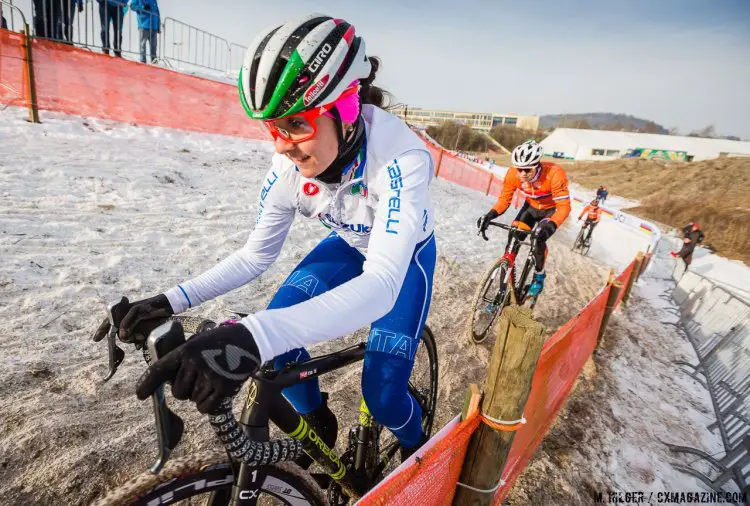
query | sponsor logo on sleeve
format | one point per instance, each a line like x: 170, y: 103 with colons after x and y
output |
x: 394, y: 201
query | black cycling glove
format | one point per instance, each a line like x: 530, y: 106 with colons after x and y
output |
x: 142, y: 317
x: 483, y: 223
x: 207, y: 368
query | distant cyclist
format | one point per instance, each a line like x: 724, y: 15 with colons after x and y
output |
x: 545, y: 188
x: 346, y: 162
x: 593, y: 215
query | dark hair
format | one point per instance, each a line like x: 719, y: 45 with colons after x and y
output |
x: 371, y: 94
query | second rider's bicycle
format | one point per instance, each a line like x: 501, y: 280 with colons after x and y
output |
x: 500, y: 284
x: 581, y: 244
x: 255, y: 469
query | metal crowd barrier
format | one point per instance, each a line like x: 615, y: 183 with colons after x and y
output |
x: 237, y: 57
x: 79, y: 22
x: 185, y: 44
x: 717, y: 324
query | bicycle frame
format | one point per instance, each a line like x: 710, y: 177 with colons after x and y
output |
x: 265, y: 402
x: 512, y: 247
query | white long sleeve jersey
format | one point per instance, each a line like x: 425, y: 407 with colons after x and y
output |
x: 382, y: 207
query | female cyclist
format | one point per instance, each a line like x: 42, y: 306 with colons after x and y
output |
x: 341, y: 159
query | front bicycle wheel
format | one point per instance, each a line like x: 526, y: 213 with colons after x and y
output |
x: 490, y: 298
x: 579, y: 240
x: 207, y: 478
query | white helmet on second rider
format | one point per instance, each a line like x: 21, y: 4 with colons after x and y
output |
x: 527, y: 155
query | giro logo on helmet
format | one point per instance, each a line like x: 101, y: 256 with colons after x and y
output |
x: 315, y: 90
x: 318, y: 60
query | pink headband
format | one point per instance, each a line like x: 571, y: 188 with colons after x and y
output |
x: 348, y: 107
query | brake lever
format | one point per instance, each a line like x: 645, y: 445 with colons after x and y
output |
x: 169, y: 426
x: 115, y: 312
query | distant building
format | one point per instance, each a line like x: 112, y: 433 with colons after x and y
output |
x: 483, y: 121
x: 577, y: 144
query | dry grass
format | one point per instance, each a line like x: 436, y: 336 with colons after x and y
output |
x: 715, y: 193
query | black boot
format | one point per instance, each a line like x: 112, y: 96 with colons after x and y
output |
x: 324, y: 423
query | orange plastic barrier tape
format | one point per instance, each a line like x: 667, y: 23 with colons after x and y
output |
x: 562, y: 359
x: 433, y: 479
x: 12, y: 75
x: 85, y: 83
x: 462, y: 172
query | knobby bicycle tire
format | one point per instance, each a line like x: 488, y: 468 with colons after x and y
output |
x: 210, y: 472
x: 500, y: 266
x: 578, y: 243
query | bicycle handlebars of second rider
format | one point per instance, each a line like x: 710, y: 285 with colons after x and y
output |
x: 510, y: 228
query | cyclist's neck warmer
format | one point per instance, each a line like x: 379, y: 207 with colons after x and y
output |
x: 348, y: 150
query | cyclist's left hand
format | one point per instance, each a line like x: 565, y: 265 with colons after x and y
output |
x: 546, y: 229
x: 207, y: 368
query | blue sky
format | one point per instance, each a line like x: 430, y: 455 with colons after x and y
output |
x: 683, y: 63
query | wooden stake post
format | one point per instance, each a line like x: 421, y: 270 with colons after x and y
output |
x: 438, y: 162
x: 30, y: 82
x: 633, y: 277
x: 506, y: 389
x: 615, y: 287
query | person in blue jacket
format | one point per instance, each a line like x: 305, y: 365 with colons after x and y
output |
x: 112, y: 11
x: 149, y: 25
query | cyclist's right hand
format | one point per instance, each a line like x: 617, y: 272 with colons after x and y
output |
x: 142, y: 317
x: 484, y: 222
x: 207, y: 368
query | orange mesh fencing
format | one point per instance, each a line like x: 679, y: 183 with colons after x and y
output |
x: 12, y: 70
x: 462, y: 172
x: 76, y: 81
x: 433, y: 479
x: 496, y: 186
x: 562, y: 360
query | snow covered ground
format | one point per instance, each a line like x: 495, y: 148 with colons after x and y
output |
x: 90, y: 210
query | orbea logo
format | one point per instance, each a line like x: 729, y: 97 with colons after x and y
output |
x: 312, y: 93
x: 310, y: 189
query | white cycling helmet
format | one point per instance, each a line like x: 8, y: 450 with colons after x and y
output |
x: 301, y: 65
x: 527, y: 155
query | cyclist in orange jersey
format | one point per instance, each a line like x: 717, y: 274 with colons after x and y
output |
x: 593, y: 216
x: 545, y: 187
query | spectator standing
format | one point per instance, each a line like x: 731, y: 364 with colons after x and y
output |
x: 68, y: 15
x: 693, y: 236
x: 149, y: 25
x: 47, y: 22
x: 601, y: 194
x: 112, y: 11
